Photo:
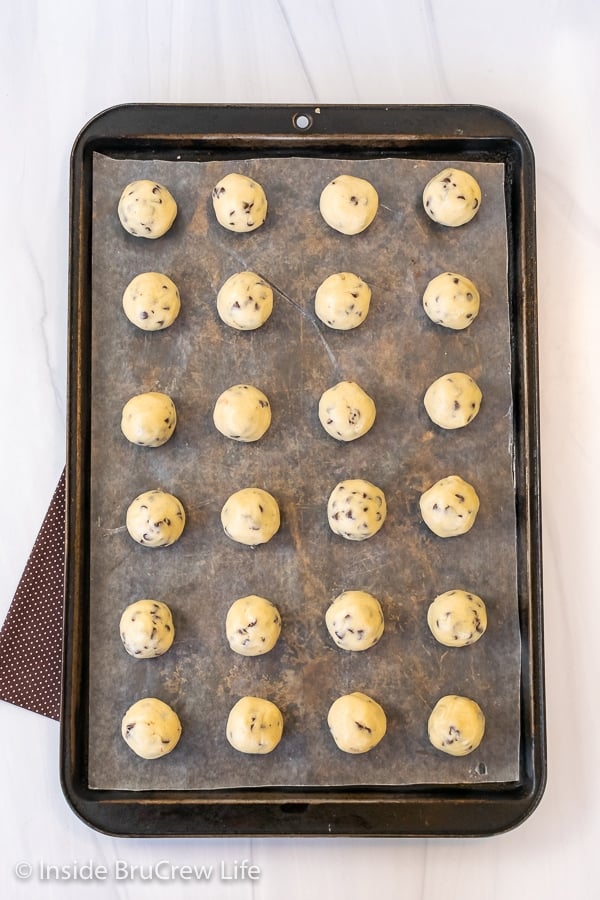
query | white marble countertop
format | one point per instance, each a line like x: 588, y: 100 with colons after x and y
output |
x: 60, y: 64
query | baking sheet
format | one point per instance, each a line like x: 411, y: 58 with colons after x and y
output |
x: 394, y: 355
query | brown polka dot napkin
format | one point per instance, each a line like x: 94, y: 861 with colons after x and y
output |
x: 31, y: 637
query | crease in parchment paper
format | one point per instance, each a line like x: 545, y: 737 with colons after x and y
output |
x: 309, y: 318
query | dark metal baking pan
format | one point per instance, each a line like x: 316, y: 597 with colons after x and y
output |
x: 201, y: 133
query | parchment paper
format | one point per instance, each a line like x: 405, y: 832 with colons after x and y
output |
x: 395, y: 354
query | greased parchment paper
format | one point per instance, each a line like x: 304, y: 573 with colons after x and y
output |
x: 394, y: 355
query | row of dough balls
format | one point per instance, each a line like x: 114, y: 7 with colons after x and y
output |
x: 348, y: 204
x: 346, y: 411
x: 356, y: 721
x: 152, y: 301
x: 356, y: 511
x: 354, y: 620
x: 456, y: 618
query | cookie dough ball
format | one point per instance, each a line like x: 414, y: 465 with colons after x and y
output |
x: 250, y: 516
x: 149, y: 419
x: 151, y: 301
x: 147, y: 629
x: 453, y: 400
x: 151, y: 728
x: 155, y: 519
x: 452, y: 197
x: 457, y: 618
x: 355, y: 620
x: 346, y: 412
x: 242, y: 413
x: 349, y: 204
x: 146, y: 209
x: 356, y: 509
x: 450, y: 506
x: 254, y: 725
x: 342, y: 301
x: 451, y: 300
x: 239, y: 202
x: 456, y: 725
x: 253, y: 625
x: 357, y: 722
x: 245, y: 301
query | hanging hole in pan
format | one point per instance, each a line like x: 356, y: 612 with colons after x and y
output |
x: 302, y: 121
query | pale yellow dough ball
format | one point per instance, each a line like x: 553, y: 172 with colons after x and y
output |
x: 242, y: 413
x: 147, y: 629
x: 146, y: 209
x: 357, y: 722
x: 155, y: 519
x: 452, y: 197
x: 151, y: 728
x: 253, y: 625
x: 450, y: 506
x: 456, y: 725
x: 457, y: 618
x: 451, y: 300
x: 356, y: 509
x: 453, y: 400
x: 342, y: 301
x: 348, y: 204
x: 239, y: 202
x: 151, y: 301
x: 346, y: 411
x: 254, y: 725
x: 355, y: 620
x: 245, y: 301
x: 251, y: 516
x: 149, y: 419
